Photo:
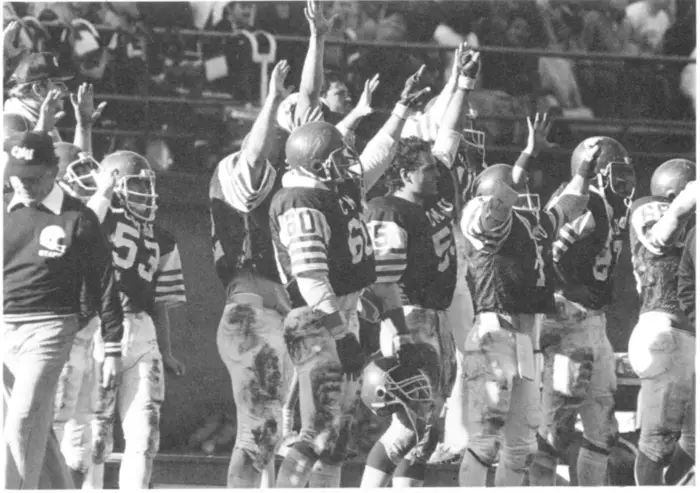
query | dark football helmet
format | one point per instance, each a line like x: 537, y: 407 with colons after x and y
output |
x: 614, y: 169
x: 317, y: 150
x: 13, y: 123
x: 389, y: 387
x: 485, y: 184
x: 76, y: 171
x: 135, y: 190
x: 671, y: 177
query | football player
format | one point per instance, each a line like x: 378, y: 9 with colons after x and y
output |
x: 662, y: 345
x: 413, y: 239
x: 579, y: 362
x: 507, y: 245
x: 249, y: 336
x: 149, y: 276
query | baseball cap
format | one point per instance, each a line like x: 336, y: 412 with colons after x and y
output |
x: 28, y: 153
x: 39, y: 66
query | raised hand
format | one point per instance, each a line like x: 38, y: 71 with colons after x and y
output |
x: 9, y: 37
x: 84, y: 105
x: 49, y: 112
x: 318, y: 24
x: 470, y: 62
x: 412, y: 95
x: 537, y: 134
x: 590, y: 156
x: 279, y: 74
x: 364, y: 104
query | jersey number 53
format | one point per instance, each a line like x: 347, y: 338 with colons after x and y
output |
x: 125, y: 253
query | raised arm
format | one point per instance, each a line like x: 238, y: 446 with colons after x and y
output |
x: 312, y: 73
x: 262, y: 134
x: 363, y: 108
x: 536, y: 142
x: 85, y: 115
x: 683, y: 205
x: 379, y: 152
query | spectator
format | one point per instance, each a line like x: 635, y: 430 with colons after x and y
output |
x: 646, y: 22
x: 36, y: 75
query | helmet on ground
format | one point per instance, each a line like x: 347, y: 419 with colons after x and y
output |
x: 487, y: 181
x: 76, y: 171
x: 135, y: 190
x: 389, y: 387
x: 671, y: 177
x: 614, y: 168
x: 318, y: 150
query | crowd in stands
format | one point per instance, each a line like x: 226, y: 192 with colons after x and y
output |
x: 512, y: 84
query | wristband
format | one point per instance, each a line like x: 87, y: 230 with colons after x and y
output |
x: 465, y: 83
x: 400, y: 111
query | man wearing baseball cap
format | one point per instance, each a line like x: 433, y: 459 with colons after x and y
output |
x: 53, y: 246
x: 36, y: 75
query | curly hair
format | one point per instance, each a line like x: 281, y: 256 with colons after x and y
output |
x: 406, y: 158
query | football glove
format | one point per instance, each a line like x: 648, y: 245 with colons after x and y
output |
x: 350, y: 353
x: 407, y: 351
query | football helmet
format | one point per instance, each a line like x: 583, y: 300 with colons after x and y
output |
x: 318, y: 150
x: 76, y: 171
x: 613, y: 170
x: 135, y: 191
x: 389, y: 387
x: 671, y: 177
x: 485, y: 184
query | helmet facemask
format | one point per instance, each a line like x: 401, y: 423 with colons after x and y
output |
x: 79, y: 179
x: 528, y: 202
x: 138, y: 193
x: 620, y: 178
x: 476, y: 144
x: 411, y: 395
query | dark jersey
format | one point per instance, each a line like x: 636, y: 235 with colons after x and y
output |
x: 240, y: 221
x: 146, y: 262
x: 586, y: 251
x: 655, y: 265
x: 509, y: 268
x: 320, y: 233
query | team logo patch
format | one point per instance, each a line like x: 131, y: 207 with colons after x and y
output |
x: 52, y: 239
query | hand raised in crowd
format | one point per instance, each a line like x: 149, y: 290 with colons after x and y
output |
x: 279, y: 74
x: 537, y: 134
x: 84, y: 105
x: 9, y: 37
x: 412, y: 95
x: 318, y: 23
x: 49, y: 112
x: 364, y: 104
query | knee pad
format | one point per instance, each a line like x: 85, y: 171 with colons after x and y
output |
x: 660, y: 447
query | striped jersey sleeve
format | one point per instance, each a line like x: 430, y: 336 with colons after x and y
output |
x: 305, y: 233
x: 572, y: 232
x: 479, y: 226
x: 390, y: 243
x: 236, y: 187
x: 170, y: 284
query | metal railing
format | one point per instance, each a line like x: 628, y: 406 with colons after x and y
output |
x: 264, y: 59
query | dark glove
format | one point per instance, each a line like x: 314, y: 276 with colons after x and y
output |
x: 352, y: 358
x: 412, y: 95
x: 408, y: 352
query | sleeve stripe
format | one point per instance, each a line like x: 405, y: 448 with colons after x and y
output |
x: 391, y: 256
x: 309, y: 237
x: 318, y: 267
x: 170, y: 272
x: 174, y: 289
x: 398, y: 261
x: 307, y: 244
x: 178, y: 293
x: 174, y: 282
x: 298, y: 250
x: 388, y: 278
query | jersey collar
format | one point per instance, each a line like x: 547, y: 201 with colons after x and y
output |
x: 292, y: 179
x: 53, y: 201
